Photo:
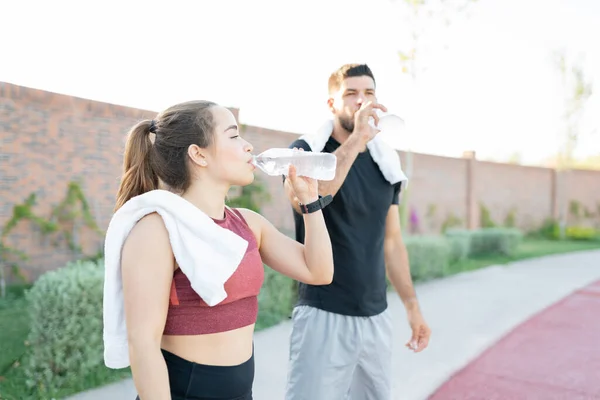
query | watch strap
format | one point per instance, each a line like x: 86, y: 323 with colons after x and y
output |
x: 317, y: 205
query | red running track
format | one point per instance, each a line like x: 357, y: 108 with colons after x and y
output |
x: 555, y: 355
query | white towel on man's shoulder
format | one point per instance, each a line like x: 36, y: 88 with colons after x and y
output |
x: 385, y: 156
x: 205, y: 252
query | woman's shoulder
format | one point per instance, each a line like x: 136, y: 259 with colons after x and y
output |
x: 249, y: 216
x: 254, y: 220
x: 148, y: 246
x: 148, y: 229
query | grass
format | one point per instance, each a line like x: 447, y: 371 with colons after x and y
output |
x: 529, y: 248
x: 275, y: 305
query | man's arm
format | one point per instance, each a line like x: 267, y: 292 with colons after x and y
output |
x: 396, y: 260
x: 345, y: 155
x: 398, y: 271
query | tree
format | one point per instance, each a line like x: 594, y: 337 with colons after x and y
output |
x: 577, y: 89
x: 251, y: 196
x: 590, y: 162
x: 515, y: 158
x: 423, y: 16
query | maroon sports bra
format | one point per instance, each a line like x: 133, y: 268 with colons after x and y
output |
x: 189, y: 315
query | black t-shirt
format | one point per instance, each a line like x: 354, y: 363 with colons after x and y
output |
x: 355, y: 220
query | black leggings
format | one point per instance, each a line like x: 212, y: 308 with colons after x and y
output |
x: 191, y: 381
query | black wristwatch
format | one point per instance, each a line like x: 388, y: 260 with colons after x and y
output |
x: 315, y: 205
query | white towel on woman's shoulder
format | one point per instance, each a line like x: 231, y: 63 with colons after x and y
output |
x: 205, y: 252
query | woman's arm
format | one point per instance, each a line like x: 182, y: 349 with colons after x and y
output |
x: 147, y: 265
x: 310, y: 263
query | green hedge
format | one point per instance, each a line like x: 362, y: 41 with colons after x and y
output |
x: 66, y: 326
x: 429, y: 256
x: 460, y: 247
x: 581, y: 233
x: 276, y: 299
x: 489, y: 241
x: 14, y: 326
x: 550, y: 229
x: 66, y: 322
x: 492, y: 241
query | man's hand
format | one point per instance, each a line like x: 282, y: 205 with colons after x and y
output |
x: 362, y: 128
x: 398, y: 271
x: 420, y: 331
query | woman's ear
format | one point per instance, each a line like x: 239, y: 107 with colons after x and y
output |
x: 198, y: 155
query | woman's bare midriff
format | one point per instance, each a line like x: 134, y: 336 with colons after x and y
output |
x: 223, y: 349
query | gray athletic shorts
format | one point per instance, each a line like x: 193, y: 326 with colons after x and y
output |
x: 339, y: 357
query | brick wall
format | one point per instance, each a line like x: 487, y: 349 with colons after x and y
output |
x: 504, y: 187
x: 582, y: 187
x: 437, y: 189
x: 48, y: 139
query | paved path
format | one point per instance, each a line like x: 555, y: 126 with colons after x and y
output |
x: 468, y: 313
x: 553, y: 356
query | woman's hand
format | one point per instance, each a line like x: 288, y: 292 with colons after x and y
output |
x: 306, y: 190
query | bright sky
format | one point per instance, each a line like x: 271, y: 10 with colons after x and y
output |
x: 494, y: 90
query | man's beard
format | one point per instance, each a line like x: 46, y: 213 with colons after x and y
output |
x: 347, y: 123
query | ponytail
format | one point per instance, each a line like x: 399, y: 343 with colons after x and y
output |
x: 138, y: 173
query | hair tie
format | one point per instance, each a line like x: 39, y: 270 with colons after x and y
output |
x: 152, y: 126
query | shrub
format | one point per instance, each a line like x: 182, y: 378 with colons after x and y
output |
x: 495, y: 241
x: 461, y: 236
x: 14, y: 326
x: 460, y: 247
x: 488, y: 241
x: 276, y: 299
x: 66, y: 326
x: 511, y: 219
x: 451, y: 222
x: 581, y: 233
x: 485, y: 217
x: 250, y: 196
x: 429, y: 256
x: 550, y: 229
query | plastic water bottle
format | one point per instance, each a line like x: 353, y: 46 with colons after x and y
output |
x: 277, y: 161
x: 389, y: 124
x: 392, y: 130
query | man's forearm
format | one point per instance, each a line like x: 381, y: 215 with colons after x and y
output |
x: 345, y: 154
x: 398, y: 270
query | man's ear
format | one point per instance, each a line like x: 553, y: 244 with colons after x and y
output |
x: 198, y: 155
x: 330, y: 102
